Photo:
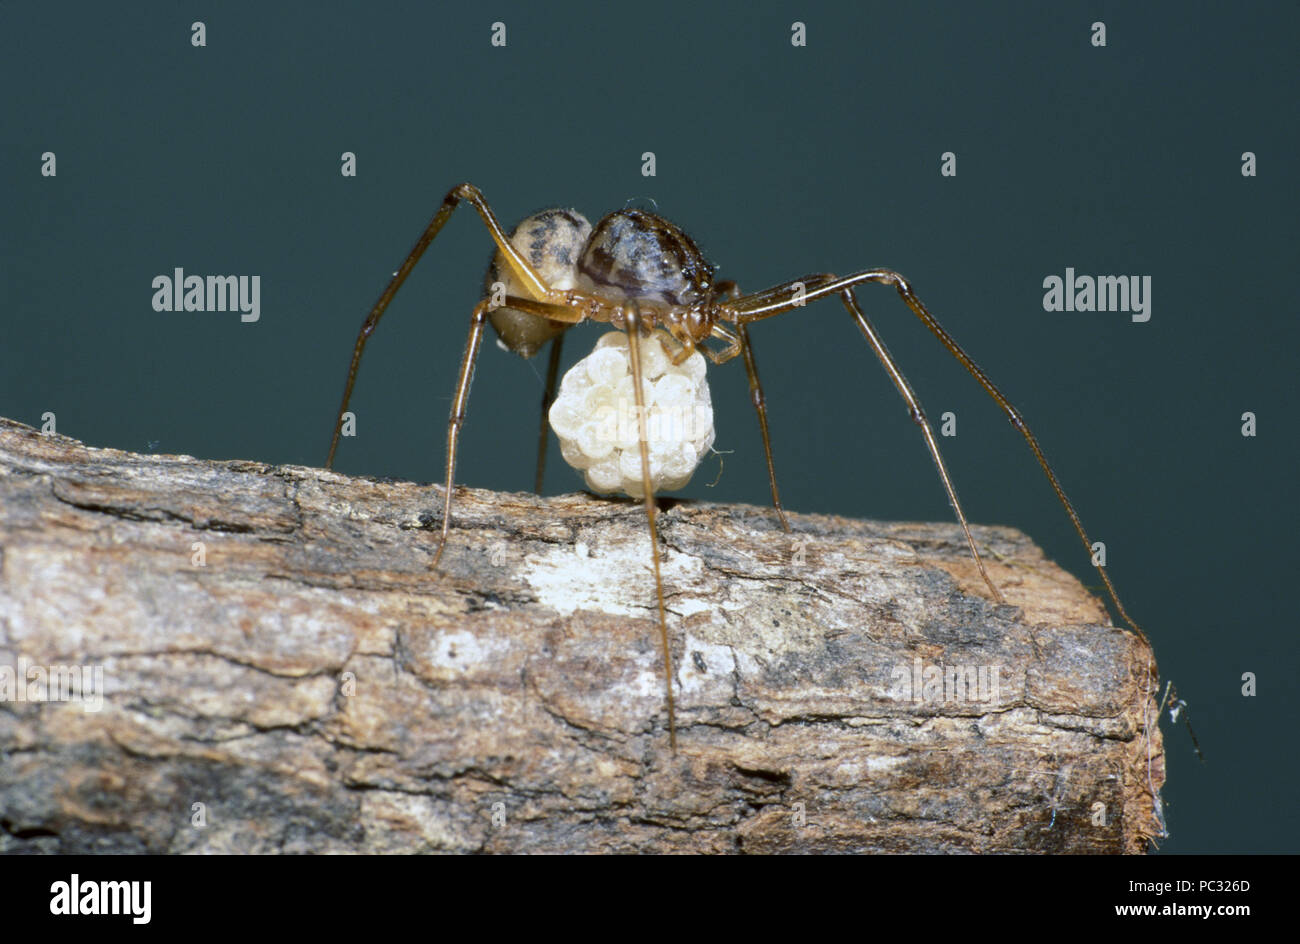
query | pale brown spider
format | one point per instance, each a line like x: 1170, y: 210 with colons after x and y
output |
x: 636, y: 271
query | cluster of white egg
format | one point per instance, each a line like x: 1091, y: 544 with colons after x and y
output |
x: 595, y: 416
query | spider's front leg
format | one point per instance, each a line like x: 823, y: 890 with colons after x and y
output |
x: 738, y: 343
x: 918, y: 416
x: 796, y: 294
x: 792, y: 295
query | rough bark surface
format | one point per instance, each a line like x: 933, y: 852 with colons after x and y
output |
x: 275, y: 647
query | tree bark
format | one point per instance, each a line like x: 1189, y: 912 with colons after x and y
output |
x: 281, y: 670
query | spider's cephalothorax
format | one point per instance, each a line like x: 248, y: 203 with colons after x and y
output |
x: 630, y: 256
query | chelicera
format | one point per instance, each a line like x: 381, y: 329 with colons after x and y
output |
x: 636, y: 272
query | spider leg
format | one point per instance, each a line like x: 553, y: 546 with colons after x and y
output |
x: 548, y: 398
x: 633, y: 323
x: 513, y: 258
x: 559, y: 313
x: 727, y: 353
x: 457, y: 419
x: 738, y: 342
x: 785, y: 295
x: 685, y: 345
x: 919, y: 418
x: 760, y: 405
x: 563, y: 313
x: 769, y: 302
x: 460, y: 401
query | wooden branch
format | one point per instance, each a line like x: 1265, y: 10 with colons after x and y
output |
x: 274, y: 648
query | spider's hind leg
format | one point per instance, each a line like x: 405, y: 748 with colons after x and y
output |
x: 460, y: 401
x: 514, y: 259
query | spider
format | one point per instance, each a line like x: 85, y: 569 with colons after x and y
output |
x: 637, y: 272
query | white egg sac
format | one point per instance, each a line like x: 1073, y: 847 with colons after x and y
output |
x: 595, y: 416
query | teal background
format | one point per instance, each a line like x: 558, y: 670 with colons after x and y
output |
x: 779, y: 161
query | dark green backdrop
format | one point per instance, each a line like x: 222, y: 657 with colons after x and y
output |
x: 780, y: 161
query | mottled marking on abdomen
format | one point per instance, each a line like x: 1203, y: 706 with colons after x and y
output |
x: 552, y: 241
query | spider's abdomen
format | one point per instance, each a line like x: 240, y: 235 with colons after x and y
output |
x: 552, y: 241
x: 634, y: 254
